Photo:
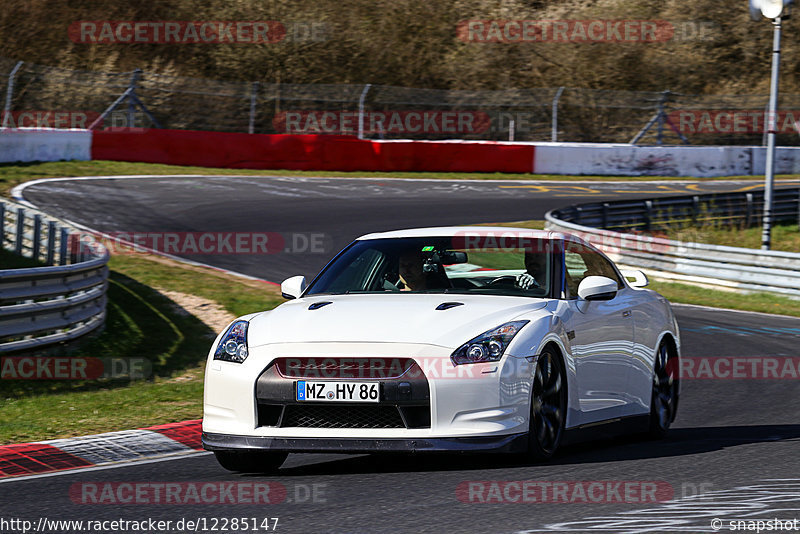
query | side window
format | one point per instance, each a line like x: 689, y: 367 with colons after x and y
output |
x: 576, y: 271
x: 582, y: 262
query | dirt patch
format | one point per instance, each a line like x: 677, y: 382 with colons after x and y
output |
x: 209, y: 312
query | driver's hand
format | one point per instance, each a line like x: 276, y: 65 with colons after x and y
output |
x: 526, y: 281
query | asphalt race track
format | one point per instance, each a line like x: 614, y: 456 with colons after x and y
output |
x: 735, y: 440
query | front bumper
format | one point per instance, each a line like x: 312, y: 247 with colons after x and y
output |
x: 513, y: 443
x: 475, y: 401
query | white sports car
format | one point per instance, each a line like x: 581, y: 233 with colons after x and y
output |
x: 444, y: 339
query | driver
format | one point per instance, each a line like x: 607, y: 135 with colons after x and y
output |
x: 410, y: 270
x: 535, y: 267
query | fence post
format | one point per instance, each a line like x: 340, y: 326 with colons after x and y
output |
x: 132, y: 97
x: 20, y: 230
x: 51, y: 242
x: 662, y: 103
x: 10, y: 93
x: 511, y: 129
x: 554, y: 124
x: 361, y: 100
x: 37, y: 236
x: 253, y: 95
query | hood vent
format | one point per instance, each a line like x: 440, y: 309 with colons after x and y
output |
x: 318, y: 305
x: 448, y: 305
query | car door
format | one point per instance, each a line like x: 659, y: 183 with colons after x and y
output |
x: 601, y: 337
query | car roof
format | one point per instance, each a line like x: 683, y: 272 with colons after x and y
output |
x: 452, y: 231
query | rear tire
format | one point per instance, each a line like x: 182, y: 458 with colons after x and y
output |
x: 251, y: 461
x: 548, y: 407
x: 664, y: 399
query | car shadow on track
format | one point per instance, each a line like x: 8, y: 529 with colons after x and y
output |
x: 679, y: 442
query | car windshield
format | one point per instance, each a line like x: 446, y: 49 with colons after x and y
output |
x: 517, y: 266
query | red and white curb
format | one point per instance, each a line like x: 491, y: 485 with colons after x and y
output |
x: 100, y: 449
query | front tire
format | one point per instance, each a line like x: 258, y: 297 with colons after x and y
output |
x: 251, y: 461
x: 548, y: 407
x: 664, y: 399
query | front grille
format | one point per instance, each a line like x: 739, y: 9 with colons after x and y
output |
x: 317, y: 416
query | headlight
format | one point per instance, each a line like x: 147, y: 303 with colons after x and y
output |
x: 233, y: 345
x: 489, y: 346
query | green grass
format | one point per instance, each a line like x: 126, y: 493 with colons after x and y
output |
x: 140, y: 323
x: 10, y: 260
x: 15, y: 174
x: 754, y: 302
x: 785, y: 237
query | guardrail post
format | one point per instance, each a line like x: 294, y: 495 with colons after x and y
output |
x: 62, y: 250
x: 37, y: 236
x: 695, y: 209
x: 20, y: 230
x: 51, y: 242
x: 81, y: 249
x: 2, y: 225
x: 748, y: 214
x: 648, y: 214
x: 605, y: 214
x: 798, y: 210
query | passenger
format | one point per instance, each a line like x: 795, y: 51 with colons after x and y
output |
x: 536, y: 271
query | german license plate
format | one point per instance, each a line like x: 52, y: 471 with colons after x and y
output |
x: 338, y: 391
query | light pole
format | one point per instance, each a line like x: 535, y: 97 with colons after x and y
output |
x: 771, y: 9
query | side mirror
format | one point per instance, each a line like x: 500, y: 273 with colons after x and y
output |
x: 293, y: 287
x: 597, y: 288
x: 636, y: 278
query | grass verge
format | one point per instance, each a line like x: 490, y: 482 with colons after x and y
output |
x: 785, y: 237
x: 9, y: 260
x: 12, y: 175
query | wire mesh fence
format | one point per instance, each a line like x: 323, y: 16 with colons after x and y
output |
x: 42, y: 96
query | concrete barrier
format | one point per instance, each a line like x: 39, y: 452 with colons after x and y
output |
x: 629, y: 160
x: 346, y: 153
x: 39, y: 144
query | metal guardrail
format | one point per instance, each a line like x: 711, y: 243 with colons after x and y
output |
x: 615, y: 227
x: 44, y: 306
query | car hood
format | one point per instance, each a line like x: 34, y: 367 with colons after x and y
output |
x: 393, y: 318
